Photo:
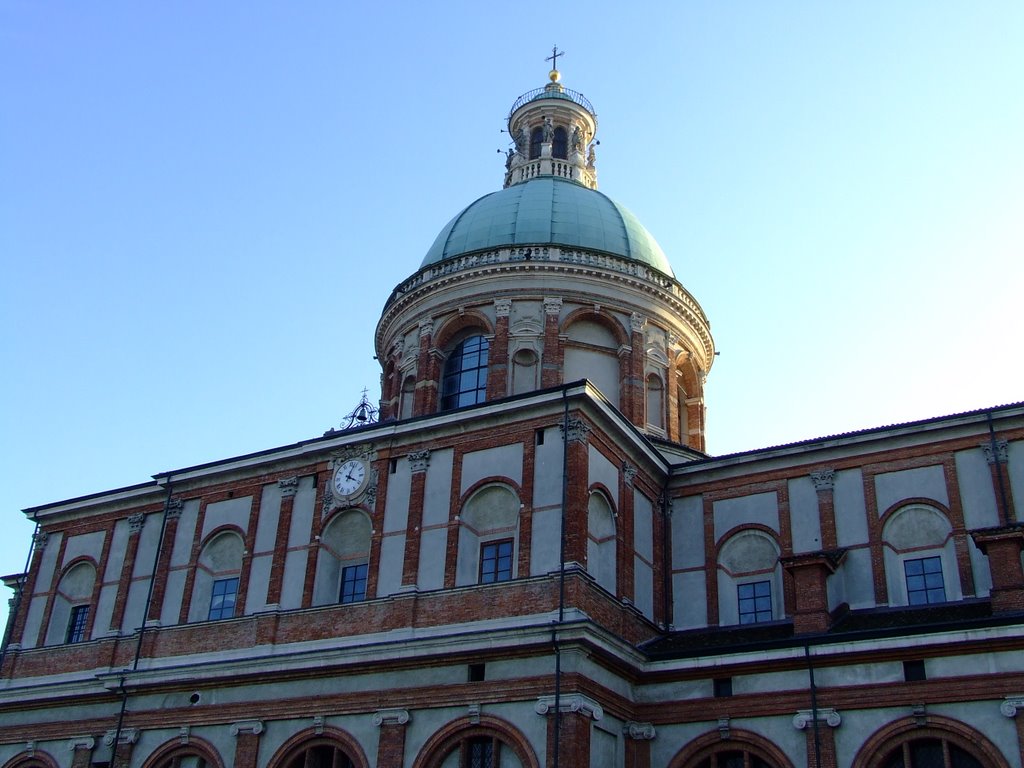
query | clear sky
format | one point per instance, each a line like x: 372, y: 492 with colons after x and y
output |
x: 204, y: 206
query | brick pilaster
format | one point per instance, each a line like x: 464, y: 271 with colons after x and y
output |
x: 634, y: 388
x: 576, y: 713
x: 427, y: 380
x: 810, y: 574
x: 28, y: 588
x: 551, y: 358
x: 577, y: 496
x: 497, y: 355
x: 997, y: 456
x: 638, y: 744
x: 821, y: 739
x: 247, y: 743
x: 418, y: 462
x: 136, y: 523
x: 625, y: 561
x: 289, y: 487
x: 824, y: 485
x: 391, y: 743
x: 163, y: 567
x: 1002, y: 545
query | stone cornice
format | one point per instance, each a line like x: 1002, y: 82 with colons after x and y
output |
x: 569, y: 261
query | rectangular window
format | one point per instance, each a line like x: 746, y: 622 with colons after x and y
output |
x: 496, y: 561
x: 76, y: 624
x: 222, y: 601
x: 755, y: 602
x: 353, y: 583
x: 924, y: 581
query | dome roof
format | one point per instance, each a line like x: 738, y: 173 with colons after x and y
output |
x: 548, y: 211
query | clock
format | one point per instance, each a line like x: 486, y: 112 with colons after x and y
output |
x: 350, y: 477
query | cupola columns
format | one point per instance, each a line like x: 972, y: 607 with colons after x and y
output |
x: 553, y: 132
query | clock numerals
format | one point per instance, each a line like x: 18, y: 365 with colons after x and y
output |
x: 349, y: 477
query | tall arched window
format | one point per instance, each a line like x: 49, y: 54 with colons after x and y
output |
x: 926, y: 753
x: 465, y: 374
x: 343, y: 561
x: 488, y: 537
x: 655, y: 402
x: 323, y: 755
x: 536, y: 139
x: 601, y: 541
x: 920, y: 556
x: 560, y: 145
x: 215, y: 590
x: 749, y: 579
x: 69, y: 620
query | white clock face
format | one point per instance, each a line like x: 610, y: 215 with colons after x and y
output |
x: 349, y: 477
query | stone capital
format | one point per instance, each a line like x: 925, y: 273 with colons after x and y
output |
x: 426, y: 328
x: 419, y: 460
x: 824, y: 479
x: 995, y: 451
x: 1011, y: 704
x: 552, y: 305
x: 174, y: 507
x: 390, y: 717
x: 254, y: 727
x: 639, y: 731
x: 577, y: 432
x: 128, y: 736
x: 629, y: 473
x: 81, y: 742
x: 805, y: 717
x: 502, y: 307
x: 39, y: 540
x: 637, y: 322
x: 289, y: 486
x: 135, y: 523
x: 574, y: 702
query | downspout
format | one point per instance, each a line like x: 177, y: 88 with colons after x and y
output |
x: 666, y: 553
x: 13, y: 614
x: 561, y: 578
x: 1004, y: 517
x: 814, y: 706
x: 142, y: 628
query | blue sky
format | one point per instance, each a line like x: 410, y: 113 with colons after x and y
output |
x: 204, y: 206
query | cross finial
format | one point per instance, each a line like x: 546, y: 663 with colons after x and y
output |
x: 553, y: 58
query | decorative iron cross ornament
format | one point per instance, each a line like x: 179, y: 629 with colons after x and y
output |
x: 553, y: 58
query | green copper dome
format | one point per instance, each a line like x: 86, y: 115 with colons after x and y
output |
x: 548, y: 211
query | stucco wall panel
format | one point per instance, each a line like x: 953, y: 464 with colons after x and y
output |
x: 760, y: 508
x: 922, y: 482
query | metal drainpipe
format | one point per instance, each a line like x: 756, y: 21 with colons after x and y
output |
x: 1004, y: 517
x: 666, y: 555
x: 18, y: 593
x: 814, y: 706
x: 142, y: 629
x: 561, y: 578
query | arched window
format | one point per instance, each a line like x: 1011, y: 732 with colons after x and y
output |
x: 536, y: 139
x: 343, y: 561
x: 601, y: 541
x: 488, y: 537
x: 749, y: 579
x: 407, y: 396
x: 733, y: 758
x: 319, y: 755
x: 655, y: 402
x: 560, y: 145
x: 70, y: 617
x: 488, y: 745
x: 920, y: 557
x: 929, y: 753
x: 465, y: 374
x: 592, y: 352
x: 215, y: 589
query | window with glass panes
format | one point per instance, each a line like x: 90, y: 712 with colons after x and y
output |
x: 222, y: 599
x: 465, y: 374
x: 496, y: 561
x: 353, y: 583
x: 77, y: 623
x: 924, y: 581
x: 755, y: 602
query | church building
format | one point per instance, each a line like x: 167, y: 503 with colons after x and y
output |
x: 528, y: 559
